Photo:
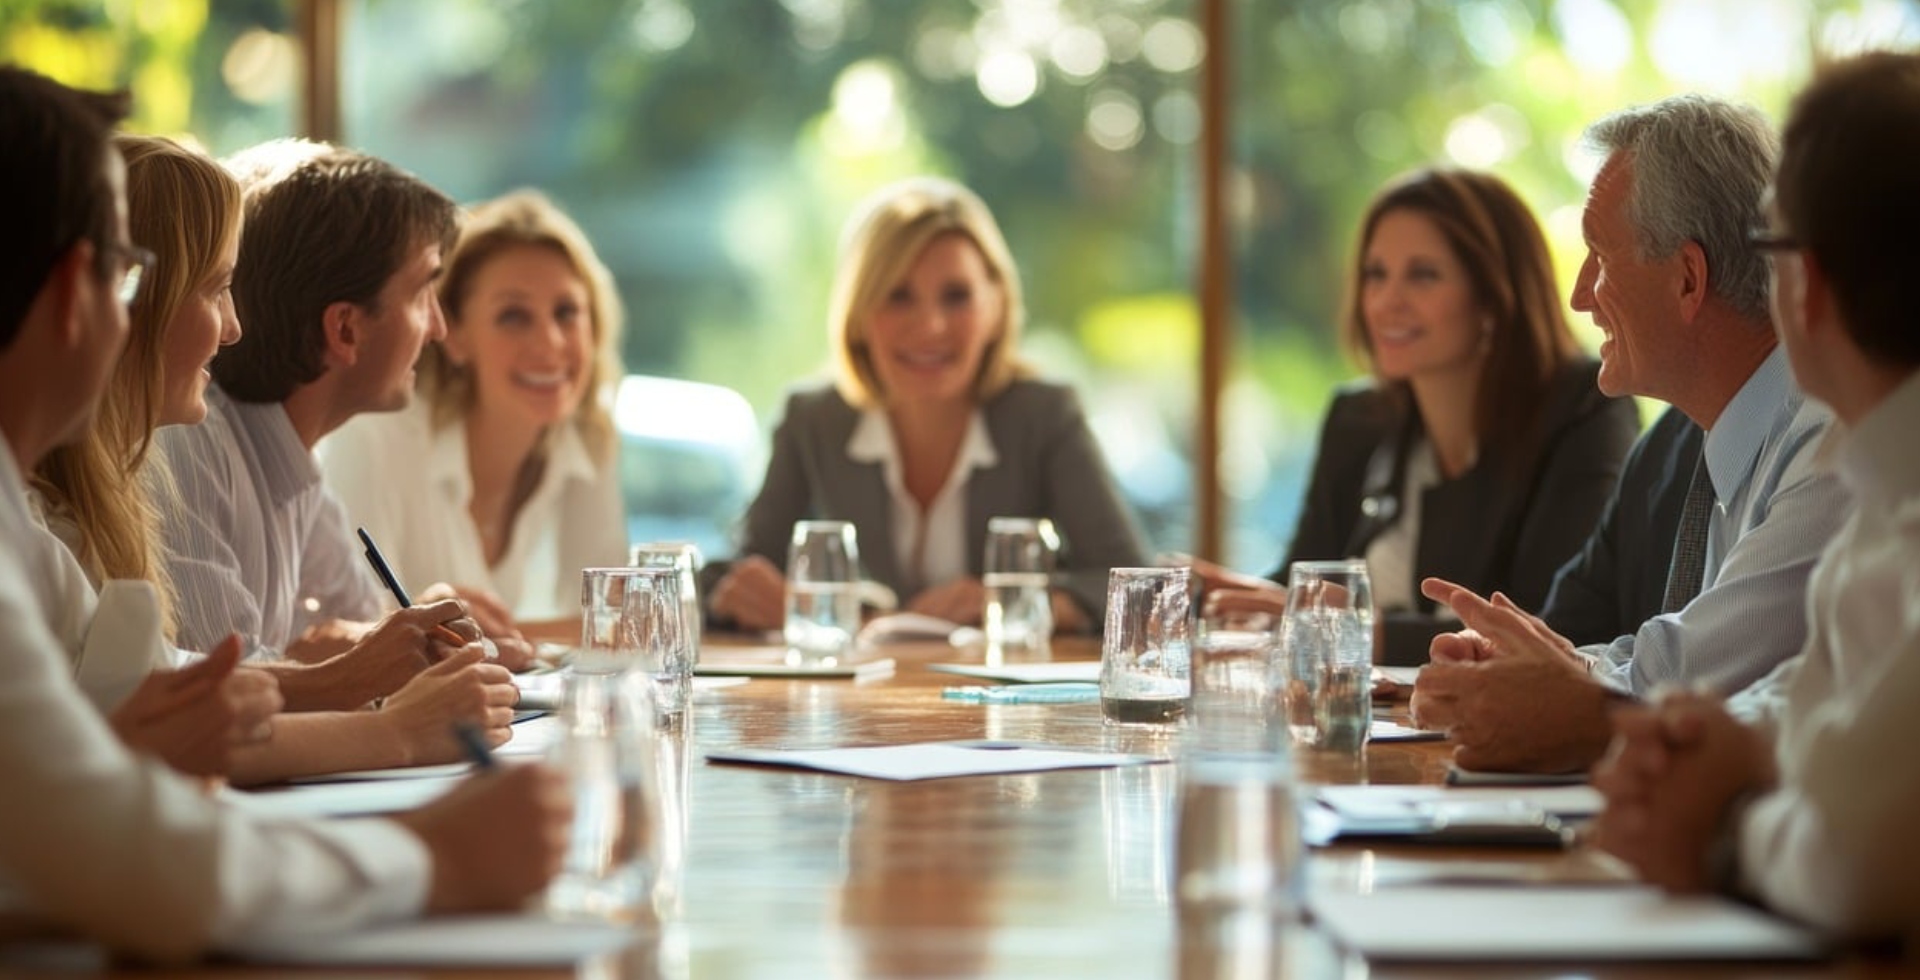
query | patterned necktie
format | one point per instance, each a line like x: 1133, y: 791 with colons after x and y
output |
x: 1689, y: 564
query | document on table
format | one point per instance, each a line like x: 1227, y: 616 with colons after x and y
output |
x: 1561, y: 801
x: 1052, y: 672
x: 340, y: 799
x: 1387, y: 731
x: 501, y: 941
x: 1482, y: 923
x: 933, y: 760
x: 771, y: 661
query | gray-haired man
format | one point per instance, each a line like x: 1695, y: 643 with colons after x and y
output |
x: 1681, y: 296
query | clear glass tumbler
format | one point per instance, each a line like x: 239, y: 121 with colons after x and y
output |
x: 1018, y: 617
x: 823, y: 601
x: 1146, y: 651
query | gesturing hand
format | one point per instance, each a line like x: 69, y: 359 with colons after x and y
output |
x: 192, y: 718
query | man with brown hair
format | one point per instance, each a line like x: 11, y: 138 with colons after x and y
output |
x: 96, y: 840
x: 334, y: 292
x: 1817, y: 822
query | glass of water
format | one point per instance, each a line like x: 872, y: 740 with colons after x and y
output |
x: 1235, y: 708
x: 823, y: 601
x: 607, y: 752
x: 686, y: 559
x: 606, y: 645
x: 655, y: 619
x: 1329, y: 654
x: 1147, y: 648
x: 1019, y: 612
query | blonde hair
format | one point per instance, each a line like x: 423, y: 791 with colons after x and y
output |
x: 883, y: 238
x: 527, y: 218
x: 186, y: 209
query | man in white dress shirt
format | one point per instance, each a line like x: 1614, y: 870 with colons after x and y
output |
x: 95, y: 839
x: 334, y: 292
x: 1672, y: 282
x: 1818, y: 821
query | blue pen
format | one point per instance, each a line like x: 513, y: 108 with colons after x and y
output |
x: 474, y: 743
x: 392, y: 582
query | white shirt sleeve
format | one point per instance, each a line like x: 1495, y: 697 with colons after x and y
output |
x: 126, y: 852
x: 211, y: 596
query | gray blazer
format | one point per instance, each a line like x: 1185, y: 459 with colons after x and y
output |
x: 1049, y: 467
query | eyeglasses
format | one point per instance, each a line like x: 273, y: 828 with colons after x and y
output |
x: 138, y: 260
x: 1765, y: 239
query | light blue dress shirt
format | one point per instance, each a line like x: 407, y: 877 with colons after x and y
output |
x: 1776, y: 507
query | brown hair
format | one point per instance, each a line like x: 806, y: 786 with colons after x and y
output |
x: 186, y: 209
x: 1849, y: 190
x: 527, y: 218
x: 57, y: 194
x: 882, y: 240
x: 325, y: 225
x: 1498, y: 242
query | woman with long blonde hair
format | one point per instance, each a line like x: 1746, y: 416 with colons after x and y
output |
x: 99, y: 499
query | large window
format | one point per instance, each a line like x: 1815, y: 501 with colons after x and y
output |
x: 711, y: 148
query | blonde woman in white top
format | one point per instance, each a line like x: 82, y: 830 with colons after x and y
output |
x: 514, y: 483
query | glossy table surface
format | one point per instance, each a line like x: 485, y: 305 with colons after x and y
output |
x: 785, y: 873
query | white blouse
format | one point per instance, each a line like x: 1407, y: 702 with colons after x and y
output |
x: 410, y: 486
x: 930, y: 547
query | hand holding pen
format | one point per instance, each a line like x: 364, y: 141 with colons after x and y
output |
x: 446, y: 633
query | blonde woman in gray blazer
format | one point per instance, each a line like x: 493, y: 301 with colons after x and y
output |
x: 932, y: 427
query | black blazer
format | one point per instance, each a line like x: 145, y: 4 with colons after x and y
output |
x: 1049, y: 466
x: 1619, y: 579
x: 1487, y: 528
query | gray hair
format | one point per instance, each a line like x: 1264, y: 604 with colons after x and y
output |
x: 1700, y: 166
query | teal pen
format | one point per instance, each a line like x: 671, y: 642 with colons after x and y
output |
x: 1066, y: 693
x: 473, y: 742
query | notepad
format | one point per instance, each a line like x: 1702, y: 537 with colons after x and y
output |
x: 341, y: 799
x: 1387, y: 731
x: 492, y: 941
x: 1478, y: 924
x: 932, y: 760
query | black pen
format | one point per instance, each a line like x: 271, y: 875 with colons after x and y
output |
x: 474, y: 744
x: 385, y: 571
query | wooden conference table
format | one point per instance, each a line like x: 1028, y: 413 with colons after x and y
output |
x: 1063, y: 874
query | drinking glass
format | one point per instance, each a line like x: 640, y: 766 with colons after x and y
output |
x: 655, y: 618
x: 607, y: 751
x: 823, y: 601
x: 1147, y: 647
x: 1235, y: 707
x: 606, y: 646
x: 1019, y: 613
x: 1329, y: 654
x: 687, y: 560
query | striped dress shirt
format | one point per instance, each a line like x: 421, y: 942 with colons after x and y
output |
x: 256, y: 543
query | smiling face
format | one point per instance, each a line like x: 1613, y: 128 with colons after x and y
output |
x: 1633, y: 300
x: 526, y: 333
x: 203, y: 323
x: 1417, y: 301
x: 929, y: 332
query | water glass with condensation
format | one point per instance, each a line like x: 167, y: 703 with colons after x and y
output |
x: 685, y: 558
x: 655, y: 619
x: 1018, y: 618
x: 823, y: 599
x: 1328, y: 636
x: 1146, y: 650
x: 607, y: 751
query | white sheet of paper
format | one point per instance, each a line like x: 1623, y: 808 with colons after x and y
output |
x: 1062, y: 672
x: 340, y: 799
x: 859, y: 670
x: 1526, y: 923
x: 1403, y: 676
x: 932, y: 760
x: 473, y: 941
x: 1387, y: 731
x: 403, y: 772
x: 1381, y: 801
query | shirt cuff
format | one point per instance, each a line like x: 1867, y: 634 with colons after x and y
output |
x: 395, y: 861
